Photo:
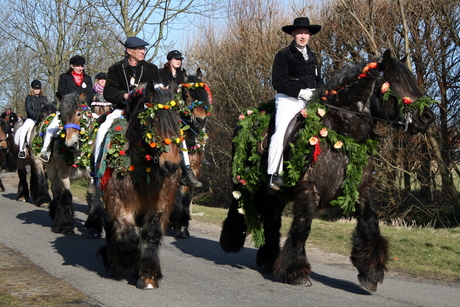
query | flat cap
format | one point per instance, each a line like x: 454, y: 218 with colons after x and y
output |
x: 77, y: 59
x: 135, y: 42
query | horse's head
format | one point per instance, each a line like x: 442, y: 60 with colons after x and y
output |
x: 400, y: 97
x: 4, y: 133
x: 153, y: 133
x: 72, y: 111
x: 46, y: 110
x: 197, y: 99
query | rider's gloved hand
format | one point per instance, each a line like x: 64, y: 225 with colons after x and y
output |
x: 306, y: 94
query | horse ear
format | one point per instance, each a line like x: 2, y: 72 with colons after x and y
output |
x: 199, y: 74
x: 58, y: 97
x: 83, y: 96
x: 150, y: 90
x: 387, y: 56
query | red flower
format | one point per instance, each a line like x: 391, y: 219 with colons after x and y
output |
x: 122, y: 152
x: 407, y: 100
x: 148, y: 157
x: 118, y: 128
x: 362, y: 75
x: 74, y: 165
x: 131, y: 168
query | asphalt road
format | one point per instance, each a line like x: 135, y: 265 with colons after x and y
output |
x: 196, y: 271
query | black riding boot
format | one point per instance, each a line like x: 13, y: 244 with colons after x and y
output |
x: 188, y: 177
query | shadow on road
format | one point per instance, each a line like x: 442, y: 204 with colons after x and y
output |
x: 246, y: 258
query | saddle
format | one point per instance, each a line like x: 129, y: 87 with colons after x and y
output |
x: 293, y: 127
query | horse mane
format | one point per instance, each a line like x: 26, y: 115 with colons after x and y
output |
x: 70, y: 103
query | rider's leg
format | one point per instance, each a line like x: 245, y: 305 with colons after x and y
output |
x: 25, y: 131
x: 51, y: 132
x: 102, y: 131
x: 188, y: 176
x: 286, y: 108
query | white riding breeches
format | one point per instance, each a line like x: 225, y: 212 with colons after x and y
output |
x: 23, y: 132
x: 51, y: 132
x: 286, y: 108
x: 102, y: 131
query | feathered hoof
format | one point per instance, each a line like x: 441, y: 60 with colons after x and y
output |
x: 147, y: 284
x: 305, y: 282
x: 94, y: 233
x: 370, y: 286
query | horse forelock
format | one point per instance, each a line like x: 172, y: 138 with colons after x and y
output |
x: 401, y: 79
x: 70, y: 104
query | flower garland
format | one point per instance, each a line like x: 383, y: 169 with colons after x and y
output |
x: 117, y: 158
x: 196, y: 104
x: 87, y: 136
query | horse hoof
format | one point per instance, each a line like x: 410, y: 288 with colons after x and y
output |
x: 370, y: 286
x: 94, y: 233
x: 147, y: 284
x: 302, y: 282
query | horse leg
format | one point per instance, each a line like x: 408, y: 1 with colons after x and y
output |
x: 23, y: 186
x: 148, y: 268
x: 233, y: 232
x: 61, y: 209
x: 96, y: 211
x: 39, y: 184
x: 370, y: 250
x: 270, y: 209
x: 180, y: 217
x: 122, y: 244
x: 292, y: 266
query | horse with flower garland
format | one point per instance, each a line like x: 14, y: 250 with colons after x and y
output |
x: 38, y: 192
x: 328, y: 161
x: 69, y: 161
x: 195, y: 100
x: 139, y: 180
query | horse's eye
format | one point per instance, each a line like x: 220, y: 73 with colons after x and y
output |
x: 79, y: 114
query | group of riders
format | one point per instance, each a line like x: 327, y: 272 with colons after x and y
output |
x: 112, y: 89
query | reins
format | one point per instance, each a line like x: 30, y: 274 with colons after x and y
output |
x: 407, y: 116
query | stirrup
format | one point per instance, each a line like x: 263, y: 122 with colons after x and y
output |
x: 276, y: 182
x: 45, y: 156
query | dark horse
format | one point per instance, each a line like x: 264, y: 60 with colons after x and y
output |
x: 69, y: 160
x: 196, y: 97
x: 6, y: 148
x: 354, y: 101
x: 139, y: 186
x: 38, y: 191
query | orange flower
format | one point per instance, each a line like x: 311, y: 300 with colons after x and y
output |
x: 167, y: 141
x: 373, y: 65
x: 362, y: 76
x: 407, y: 100
x: 131, y: 168
x: 153, y: 144
x: 166, y: 107
x: 385, y: 87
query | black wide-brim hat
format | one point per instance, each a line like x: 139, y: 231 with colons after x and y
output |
x: 302, y: 22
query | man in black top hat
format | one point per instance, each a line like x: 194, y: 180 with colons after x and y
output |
x: 295, y: 76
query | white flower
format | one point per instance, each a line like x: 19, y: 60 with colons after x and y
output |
x: 241, y: 211
x: 236, y: 194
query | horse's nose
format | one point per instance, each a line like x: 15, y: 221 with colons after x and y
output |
x: 169, y: 168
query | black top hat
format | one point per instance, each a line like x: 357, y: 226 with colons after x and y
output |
x: 101, y: 75
x: 302, y: 22
x: 135, y: 42
x: 174, y: 54
x: 36, y: 84
x: 77, y: 59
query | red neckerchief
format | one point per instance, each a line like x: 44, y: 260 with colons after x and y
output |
x: 77, y: 78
